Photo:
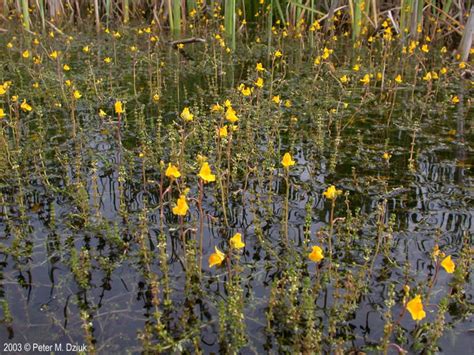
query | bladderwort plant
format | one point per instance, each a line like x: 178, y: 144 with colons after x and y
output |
x: 104, y: 139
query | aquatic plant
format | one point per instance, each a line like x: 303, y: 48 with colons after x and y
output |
x: 236, y: 176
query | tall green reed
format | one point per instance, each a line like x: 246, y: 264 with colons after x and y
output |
x: 229, y: 22
x: 26, y: 14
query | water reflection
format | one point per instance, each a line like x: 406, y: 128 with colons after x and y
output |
x: 45, y: 299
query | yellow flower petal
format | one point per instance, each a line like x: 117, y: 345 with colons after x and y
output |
x: 172, y: 171
x: 118, y: 107
x: 448, y: 264
x: 181, y: 207
x: 216, y: 258
x: 25, y: 107
x: 206, y: 174
x: 236, y: 241
x: 331, y: 193
x: 287, y: 160
x: 316, y: 254
x: 415, y: 307
x: 187, y: 115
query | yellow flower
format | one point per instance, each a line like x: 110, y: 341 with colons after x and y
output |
x: 118, y: 107
x: 133, y: 49
x: 223, y: 132
x: 455, y: 100
x: 206, y: 174
x: 288, y: 103
x: 54, y: 55
x: 448, y: 264
x: 415, y: 307
x: 365, y: 80
x: 102, y: 113
x: 443, y: 71
x: 227, y: 103
x: 331, y: 193
x: 356, y: 67
x: 25, y: 107
x: 287, y: 160
x: 398, y: 78
x: 236, y: 241
x: 86, y: 49
x: 172, y: 171
x: 427, y: 77
x: 181, y: 207
x: 276, y: 99
x: 230, y: 115
x: 107, y: 60
x: 344, y: 79
x: 386, y: 156
x: 315, y: 26
x: 260, y: 67
x: 66, y: 67
x: 187, y: 115
x: 326, y: 53
x: 462, y: 65
x: 26, y: 54
x: 2, y: 113
x: 278, y: 54
x: 259, y: 83
x: 180, y: 45
x: 216, y: 258
x: 3, y: 91
x: 425, y: 48
x: 156, y: 97
x: 217, y: 108
x: 77, y: 94
x: 35, y: 85
x: 10, y: 45
x: 316, y: 254
x: 245, y: 90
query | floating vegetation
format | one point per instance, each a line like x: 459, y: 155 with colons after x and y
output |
x: 236, y: 176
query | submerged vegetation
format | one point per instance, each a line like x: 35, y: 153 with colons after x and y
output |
x: 254, y: 176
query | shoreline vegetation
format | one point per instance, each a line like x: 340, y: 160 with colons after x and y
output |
x: 363, y: 18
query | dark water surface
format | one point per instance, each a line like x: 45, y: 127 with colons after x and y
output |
x: 43, y: 295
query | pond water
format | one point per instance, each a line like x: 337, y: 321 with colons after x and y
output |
x: 82, y: 212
